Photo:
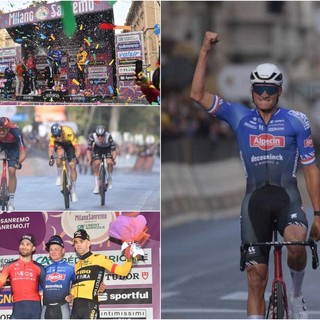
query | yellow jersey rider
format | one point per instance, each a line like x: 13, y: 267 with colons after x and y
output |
x: 62, y: 139
x: 81, y: 63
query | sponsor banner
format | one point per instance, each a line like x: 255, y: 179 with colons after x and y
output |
x: 127, y: 70
x: 141, y: 275
x: 127, y: 296
x: 129, y: 48
x: 132, y: 313
x: 49, y: 11
x: 44, y: 224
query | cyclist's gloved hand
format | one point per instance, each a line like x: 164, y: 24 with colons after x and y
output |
x: 51, y: 161
x: 18, y: 165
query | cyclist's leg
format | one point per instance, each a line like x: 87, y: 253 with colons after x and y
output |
x: 58, y: 148
x: 109, y: 167
x: 12, y: 151
x: 294, y: 228
x: 256, y: 226
x: 70, y: 151
x: 96, y: 155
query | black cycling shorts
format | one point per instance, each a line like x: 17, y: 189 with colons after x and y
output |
x: 67, y: 147
x: 56, y: 311
x: 258, y: 212
x: 12, y: 152
x: 97, y: 152
x: 85, y: 309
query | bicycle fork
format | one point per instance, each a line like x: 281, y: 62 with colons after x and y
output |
x: 278, y: 278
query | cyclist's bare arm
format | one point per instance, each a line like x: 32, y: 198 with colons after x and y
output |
x: 311, y: 175
x: 89, y: 156
x: 77, y: 150
x: 50, y: 151
x: 198, y: 93
x: 22, y: 155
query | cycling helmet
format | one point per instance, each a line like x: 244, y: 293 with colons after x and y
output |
x: 4, y: 123
x: 100, y: 130
x: 267, y: 73
x: 56, y: 130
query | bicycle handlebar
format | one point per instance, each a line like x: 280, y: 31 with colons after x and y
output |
x: 310, y: 242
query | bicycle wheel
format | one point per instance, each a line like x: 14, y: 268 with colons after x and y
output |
x: 102, y: 183
x: 4, y: 196
x: 278, y: 304
x: 65, y: 190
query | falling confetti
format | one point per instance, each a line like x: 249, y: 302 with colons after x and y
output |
x: 75, y: 82
x: 111, y: 62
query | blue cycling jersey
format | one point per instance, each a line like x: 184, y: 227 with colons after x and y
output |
x: 269, y: 152
x: 56, y: 55
x: 59, y: 277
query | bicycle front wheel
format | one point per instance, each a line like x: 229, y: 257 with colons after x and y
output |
x: 65, y: 190
x: 278, y: 303
x: 4, y: 196
x: 102, y: 184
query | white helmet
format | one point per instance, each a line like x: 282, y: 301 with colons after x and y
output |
x: 266, y: 73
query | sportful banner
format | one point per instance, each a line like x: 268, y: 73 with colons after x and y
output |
x: 135, y: 296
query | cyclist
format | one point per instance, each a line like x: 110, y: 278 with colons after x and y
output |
x: 11, y: 141
x: 271, y: 140
x: 62, y: 139
x: 59, y: 278
x: 89, y: 271
x: 25, y: 276
x: 101, y: 142
x: 55, y: 56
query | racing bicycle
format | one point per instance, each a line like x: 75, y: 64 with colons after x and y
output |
x: 4, y: 190
x: 66, y: 184
x: 278, y: 307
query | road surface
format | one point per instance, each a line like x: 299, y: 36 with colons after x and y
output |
x: 132, y: 190
x: 200, y: 272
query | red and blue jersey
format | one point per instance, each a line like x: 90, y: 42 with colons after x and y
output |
x: 14, y: 136
x: 269, y: 152
x: 25, y: 279
x: 59, y: 277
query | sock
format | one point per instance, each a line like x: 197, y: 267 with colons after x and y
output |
x: 59, y: 171
x: 255, y: 317
x: 297, y: 279
x: 96, y: 180
x: 73, y: 187
x: 11, y: 196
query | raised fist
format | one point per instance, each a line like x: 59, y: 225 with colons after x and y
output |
x: 210, y: 38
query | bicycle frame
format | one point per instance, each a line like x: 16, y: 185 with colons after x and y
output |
x: 278, y: 301
x: 4, y: 191
x: 103, y: 184
x: 66, y: 184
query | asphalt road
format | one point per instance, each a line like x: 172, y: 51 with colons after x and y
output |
x: 200, y: 273
x: 132, y: 190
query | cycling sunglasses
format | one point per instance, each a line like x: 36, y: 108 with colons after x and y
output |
x: 261, y: 88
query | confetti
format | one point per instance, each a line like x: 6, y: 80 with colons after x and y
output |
x: 75, y: 82
x: 87, y: 41
x: 111, y: 62
x: 123, y: 28
x: 81, y: 27
x: 97, y: 46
